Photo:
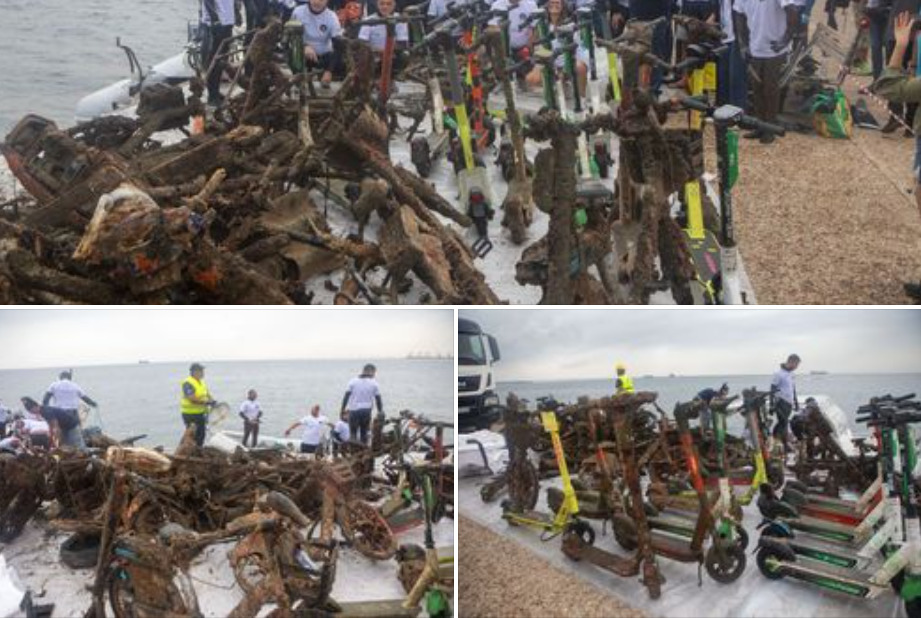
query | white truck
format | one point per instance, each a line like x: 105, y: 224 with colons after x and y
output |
x: 477, y: 402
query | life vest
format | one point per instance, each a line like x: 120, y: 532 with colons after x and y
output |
x: 186, y: 405
x: 626, y: 384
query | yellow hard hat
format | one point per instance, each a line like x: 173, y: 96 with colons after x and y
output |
x: 620, y: 367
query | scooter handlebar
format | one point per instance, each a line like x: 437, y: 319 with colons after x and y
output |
x: 753, y: 124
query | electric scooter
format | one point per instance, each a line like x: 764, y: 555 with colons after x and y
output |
x: 725, y: 558
x: 900, y: 570
x: 472, y: 181
x: 601, y: 144
x: 851, y: 511
x: 566, y: 519
x: 622, y: 408
x: 727, y: 118
x: 678, y: 512
x: 883, y: 539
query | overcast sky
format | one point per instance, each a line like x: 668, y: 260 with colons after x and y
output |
x: 574, y: 343
x: 76, y: 337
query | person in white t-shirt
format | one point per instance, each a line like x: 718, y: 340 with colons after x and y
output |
x: 33, y: 428
x: 251, y: 413
x: 764, y: 29
x: 341, y: 433
x: 360, y: 396
x: 376, y: 36
x: 518, y: 11
x: 61, y: 404
x: 321, y: 30
x: 312, y: 435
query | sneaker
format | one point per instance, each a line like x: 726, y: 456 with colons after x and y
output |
x: 752, y: 135
x: 767, y: 138
x: 891, y: 126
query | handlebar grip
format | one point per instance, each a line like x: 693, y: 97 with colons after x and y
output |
x: 904, y: 397
x: 698, y: 105
x: 752, y: 123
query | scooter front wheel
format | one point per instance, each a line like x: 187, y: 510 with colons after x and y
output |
x: 726, y: 568
x: 770, y: 563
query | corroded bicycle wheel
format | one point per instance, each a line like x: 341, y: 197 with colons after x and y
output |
x: 523, y: 485
x: 367, y: 530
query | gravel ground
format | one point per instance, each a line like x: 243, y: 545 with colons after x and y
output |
x: 499, y: 577
x: 823, y: 221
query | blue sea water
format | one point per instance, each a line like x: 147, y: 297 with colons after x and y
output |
x: 144, y: 398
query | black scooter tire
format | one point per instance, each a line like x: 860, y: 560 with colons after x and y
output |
x: 761, y: 560
x: 624, y: 533
x: 718, y: 572
x: 797, y: 486
x: 794, y: 497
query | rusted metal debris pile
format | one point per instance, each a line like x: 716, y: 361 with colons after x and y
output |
x: 225, y: 216
x: 116, y: 215
x: 150, y: 514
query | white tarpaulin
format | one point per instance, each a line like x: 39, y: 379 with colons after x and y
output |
x: 752, y: 595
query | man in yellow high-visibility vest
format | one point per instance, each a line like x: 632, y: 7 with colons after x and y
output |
x: 624, y: 382
x: 196, y: 401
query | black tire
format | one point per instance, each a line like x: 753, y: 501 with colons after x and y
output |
x: 732, y: 567
x: 583, y: 530
x: 762, y: 561
x: 523, y: 486
x: 80, y: 551
x: 624, y: 532
x: 913, y: 608
x: 794, y: 497
x: 775, y: 474
x: 421, y: 156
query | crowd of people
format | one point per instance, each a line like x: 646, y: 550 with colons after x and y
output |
x: 56, y: 421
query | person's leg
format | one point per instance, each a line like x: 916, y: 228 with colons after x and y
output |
x: 661, y: 47
x: 738, y: 83
x: 724, y: 76
x: 219, y: 34
x: 365, y: 427
x: 353, y: 425
x: 255, y: 434
x: 200, y: 423
x: 877, y: 32
x: 246, y: 432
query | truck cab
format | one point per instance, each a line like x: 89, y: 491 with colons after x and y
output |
x: 477, y: 402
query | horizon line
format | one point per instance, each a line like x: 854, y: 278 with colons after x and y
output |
x: 143, y: 361
x: 709, y: 375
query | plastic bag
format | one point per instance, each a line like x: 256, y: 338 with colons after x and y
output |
x: 831, y: 115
